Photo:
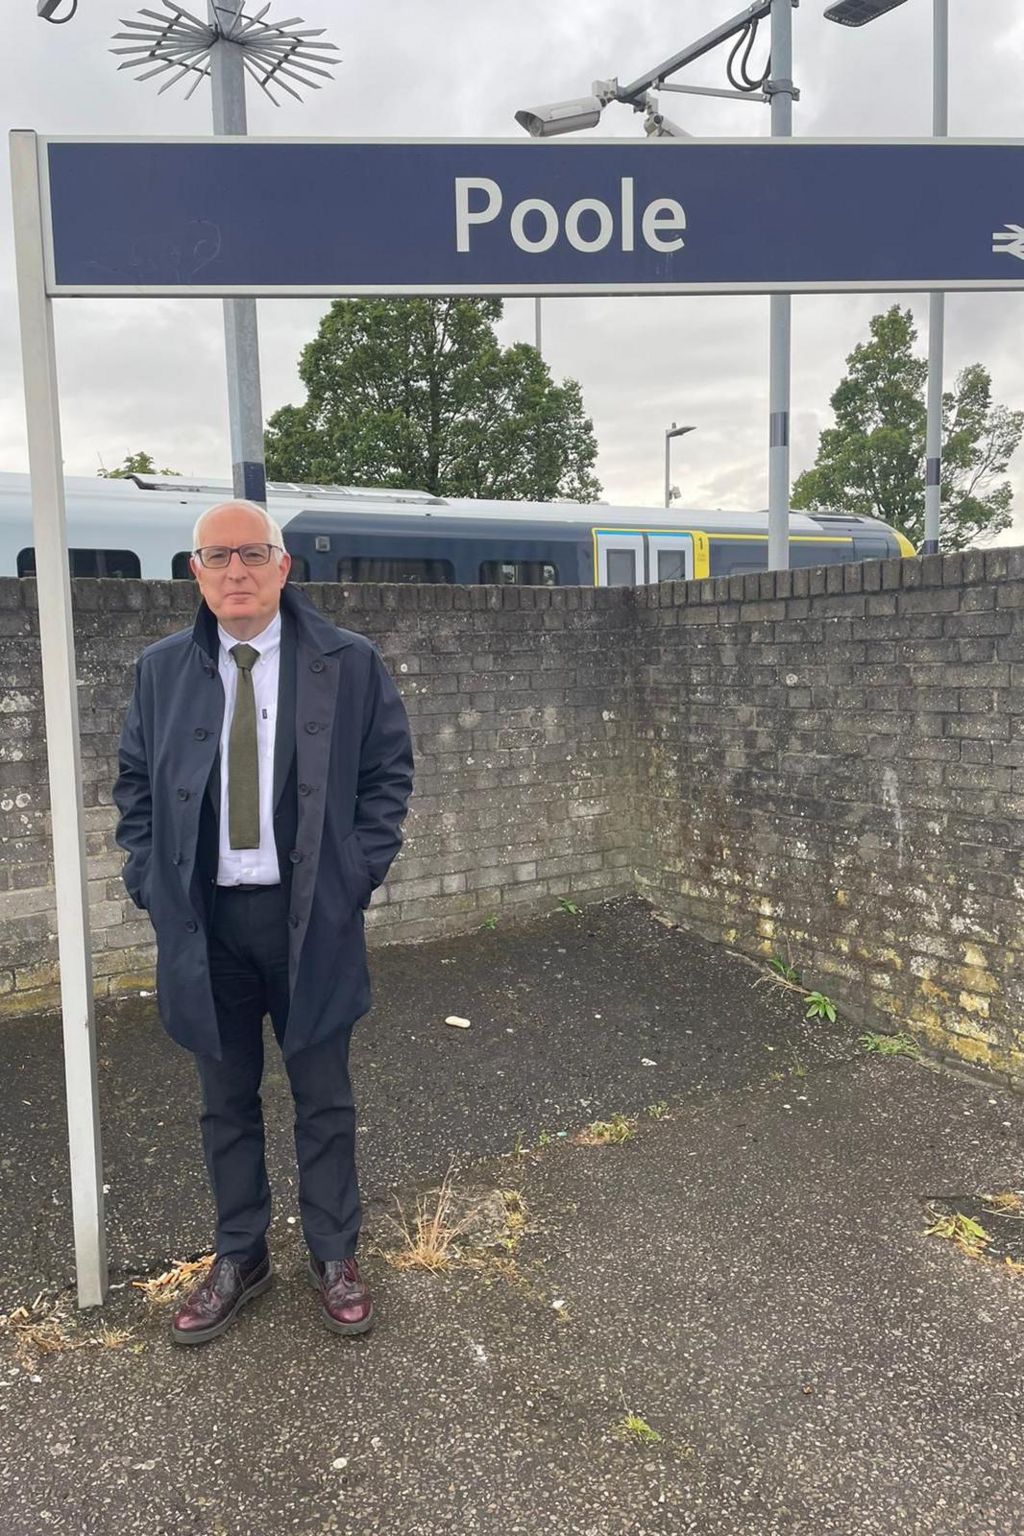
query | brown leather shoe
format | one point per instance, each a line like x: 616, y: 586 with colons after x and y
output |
x: 344, y: 1295
x: 211, y: 1307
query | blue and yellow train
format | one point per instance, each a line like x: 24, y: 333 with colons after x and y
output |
x: 143, y: 526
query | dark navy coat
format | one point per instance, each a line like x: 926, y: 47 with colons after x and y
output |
x: 342, y: 780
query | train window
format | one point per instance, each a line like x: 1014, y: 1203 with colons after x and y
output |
x: 88, y: 562
x: 738, y: 557
x: 371, y: 568
x: 671, y: 565
x: 519, y: 573
x: 819, y: 552
x: 621, y: 568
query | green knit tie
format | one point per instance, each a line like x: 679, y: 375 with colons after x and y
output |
x: 243, y: 757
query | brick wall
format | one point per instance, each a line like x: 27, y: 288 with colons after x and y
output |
x: 830, y: 768
x: 518, y: 701
x: 826, y: 765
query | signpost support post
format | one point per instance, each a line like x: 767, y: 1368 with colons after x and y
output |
x: 60, y: 697
x: 779, y: 347
x: 936, y: 301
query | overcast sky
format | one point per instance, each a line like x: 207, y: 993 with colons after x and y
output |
x: 149, y: 374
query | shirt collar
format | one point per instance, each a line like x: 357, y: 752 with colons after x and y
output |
x: 263, y: 642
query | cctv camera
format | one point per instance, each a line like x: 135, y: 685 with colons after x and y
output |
x: 561, y: 117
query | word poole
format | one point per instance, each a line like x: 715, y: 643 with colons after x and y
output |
x: 589, y: 224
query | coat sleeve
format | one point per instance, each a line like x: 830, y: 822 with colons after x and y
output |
x: 385, y: 773
x: 133, y: 797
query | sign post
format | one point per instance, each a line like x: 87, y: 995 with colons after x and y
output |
x: 237, y: 217
x: 63, y: 749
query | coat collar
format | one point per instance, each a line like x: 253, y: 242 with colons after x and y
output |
x: 312, y: 628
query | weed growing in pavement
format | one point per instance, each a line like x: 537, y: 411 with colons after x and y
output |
x: 820, y: 1007
x: 969, y: 1236
x: 632, y: 1427
x: 565, y: 905
x: 601, y: 1133
x: 888, y: 1045
x: 657, y: 1111
x: 490, y: 922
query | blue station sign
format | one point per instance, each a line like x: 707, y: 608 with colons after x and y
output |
x: 335, y: 217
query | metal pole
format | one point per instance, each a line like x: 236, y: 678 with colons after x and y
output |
x: 241, y: 335
x: 668, y: 477
x: 60, y: 700
x: 536, y: 324
x: 936, y: 301
x: 781, y: 86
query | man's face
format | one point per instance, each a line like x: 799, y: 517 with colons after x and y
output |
x: 243, y: 597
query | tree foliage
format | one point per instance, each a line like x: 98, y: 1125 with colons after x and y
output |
x: 419, y: 393
x: 135, y: 464
x: 873, y: 460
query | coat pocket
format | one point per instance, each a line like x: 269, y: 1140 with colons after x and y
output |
x: 356, y: 871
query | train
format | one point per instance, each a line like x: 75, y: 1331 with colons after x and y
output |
x: 142, y: 526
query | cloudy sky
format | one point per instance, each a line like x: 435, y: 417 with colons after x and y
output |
x: 150, y: 374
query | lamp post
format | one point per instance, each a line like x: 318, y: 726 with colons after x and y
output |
x: 775, y: 86
x: 857, y: 13
x: 226, y: 47
x: 671, y: 432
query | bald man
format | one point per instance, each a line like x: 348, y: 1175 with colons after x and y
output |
x: 265, y: 772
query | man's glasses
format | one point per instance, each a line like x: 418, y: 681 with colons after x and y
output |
x: 215, y: 557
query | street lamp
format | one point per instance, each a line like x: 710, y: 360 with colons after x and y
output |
x: 856, y: 13
x: 772, y: 85
x: 670, y: 433
x: 224, y: 48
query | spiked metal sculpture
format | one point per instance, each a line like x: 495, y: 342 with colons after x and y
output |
x: 272, y: 53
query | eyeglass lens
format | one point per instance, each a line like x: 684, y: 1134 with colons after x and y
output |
x: 216, y: 556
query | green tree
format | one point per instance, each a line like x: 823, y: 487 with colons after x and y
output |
x: 873, y: 460
x: 419, y: 393
x: 135, y: 464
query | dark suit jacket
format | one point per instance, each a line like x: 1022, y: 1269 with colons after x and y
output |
x: 352, y: 767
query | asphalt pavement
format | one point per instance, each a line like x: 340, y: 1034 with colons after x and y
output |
x: 732, y: 1320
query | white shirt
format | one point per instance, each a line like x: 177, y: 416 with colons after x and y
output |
x: 251, y: 866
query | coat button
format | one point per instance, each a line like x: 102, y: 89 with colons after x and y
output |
x: 295, y: 856
x: 312, y: 727
x: 304, y: 789
x: 200, y: 734
x: 316, y: 666
x: 293, y: 920
x: 192, y: 926
x: 177, y: 858
x: 182, y: 794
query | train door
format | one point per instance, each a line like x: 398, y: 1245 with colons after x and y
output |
x: 626, y: 558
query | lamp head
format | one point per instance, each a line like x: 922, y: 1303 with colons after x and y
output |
x: 857, y: 13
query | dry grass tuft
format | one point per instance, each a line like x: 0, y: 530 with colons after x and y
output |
x: 430, y: 1241
x: 44, y: 1327
x: 175, y: 1282
x: 438, y: 1240
x: 1006, y: 1201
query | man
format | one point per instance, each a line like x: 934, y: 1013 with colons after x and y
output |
x: 265, y: 771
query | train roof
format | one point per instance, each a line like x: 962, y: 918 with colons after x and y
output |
x: 287, y: 500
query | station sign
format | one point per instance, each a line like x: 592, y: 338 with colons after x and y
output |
x: 337, y: 217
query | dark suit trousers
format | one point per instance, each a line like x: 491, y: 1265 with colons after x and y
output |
x: 248, y: 948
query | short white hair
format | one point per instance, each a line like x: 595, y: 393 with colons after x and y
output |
x: 274, y: 534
